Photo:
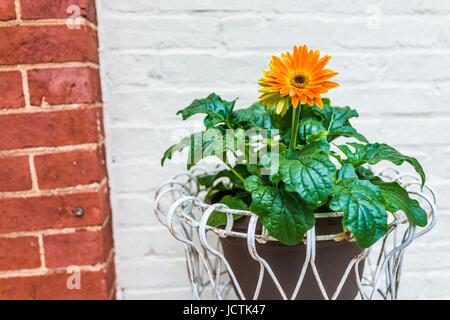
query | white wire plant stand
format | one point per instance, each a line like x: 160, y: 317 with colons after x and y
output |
x: 211, y: 276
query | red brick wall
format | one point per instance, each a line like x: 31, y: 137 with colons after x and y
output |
x: 52, y: 157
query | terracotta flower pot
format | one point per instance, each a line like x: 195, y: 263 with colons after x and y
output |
x: 286, y: 262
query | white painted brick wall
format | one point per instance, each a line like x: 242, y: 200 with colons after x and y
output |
x: 157, y: 56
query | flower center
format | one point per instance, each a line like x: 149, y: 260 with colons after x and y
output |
x: 299, y: 80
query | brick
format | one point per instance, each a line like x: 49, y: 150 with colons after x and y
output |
x: 373, y: 101
x: 95, y: 285
x: 19, y: 253
x: 14, y: 174
x: 416, y: 7
x: 41, y: 44
x: 430, y: 66
x: 155, y: 273
x: 212, y: 69
x: 143, y: 175
x: 403, y: 32
x: 53, y: 211
x: 404, y: 131
x: 132, y: 211
x: 11, y: 90
x: 50, y: 128
x: 159, y: 294
x: 57, y: 9
x: 314, y: 7
x: 7, y: 10
x: 135, y: 243
x: 425, y: 285
x: 70, y: 168
x: 141, y: 112
x: 218, y: 5
x: 78, y: 248
x: 444, y: 37
x: 64, y: 86
x: 256, y: 32
x: 134, y: 70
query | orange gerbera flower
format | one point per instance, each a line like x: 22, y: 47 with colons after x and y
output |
x: 299, y: 77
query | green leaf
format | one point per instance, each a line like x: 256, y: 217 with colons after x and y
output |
x: 282, y: 123
x: 253, y: 182
x: 271, y: 164
x: 311, y: 130
x: 255, y: 116
x: 316, y: 147
x: 212, y: 142
x: 326, y: 101
x: 217, y: 192
x: 365, y: 173
x: 284, y: 214
x: 396, y: 198
x: 309, y: 176
x: 336, y: 121
x: 363, y: 207
x: 376, y: 152
x: 219, y: 218
x: 217, y: 110
x: 205, y: 144
x: 347, y: 172
x: 208, y: 180
x: 176, y: 147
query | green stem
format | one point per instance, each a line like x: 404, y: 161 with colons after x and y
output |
x: 295, y: 120
x: 235, y: 172
x: 247, y: 160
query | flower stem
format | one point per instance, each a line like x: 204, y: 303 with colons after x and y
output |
x: 235, y: 172
x: 295, y: 120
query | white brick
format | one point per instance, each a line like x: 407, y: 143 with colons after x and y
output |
x: 149, y: 143
x: 154, y: 273
x: 388, y: 99
x: 328, y: 33
x: 138, y: 243
x: 129, y: 6
x: 279, y: 33
x: 427, y: 256
x: 142, y: 176
x: 148, y: 107
x: 212, y: 69
x: 417, y: 66
x: 404, y: 131
x: 429, y: 285
x: 318, y: 6
x: 443, y: 192
x: 161, y: 32
x: 415, y: 7
x: 411, y: 32
x: 444, y: 35
x: 123, y: 70
x: 159, y: 294
x: 133, y: 210
x: 215, y: 5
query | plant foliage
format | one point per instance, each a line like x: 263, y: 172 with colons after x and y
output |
x: 286, y: 186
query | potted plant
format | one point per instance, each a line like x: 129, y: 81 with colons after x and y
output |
x: 287, y: 165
